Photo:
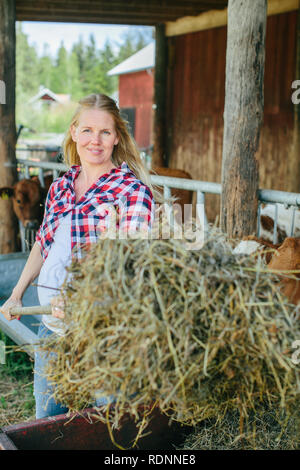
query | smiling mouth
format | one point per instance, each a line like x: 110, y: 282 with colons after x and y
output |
x: 96, y: 151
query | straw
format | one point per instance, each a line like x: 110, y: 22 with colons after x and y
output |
x: 200, y: 332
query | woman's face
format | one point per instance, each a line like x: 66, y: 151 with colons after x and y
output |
x: 95, y: 137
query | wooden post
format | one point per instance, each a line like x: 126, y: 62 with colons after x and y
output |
x: 243, y: 114
x: 159, y: 156
x: 8, y: 171
x: 294, y: 167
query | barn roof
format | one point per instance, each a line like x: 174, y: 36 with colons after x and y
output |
x: 131, y: 12
x: 141, y: 60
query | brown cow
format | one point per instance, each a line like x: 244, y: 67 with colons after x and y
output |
x: 28, y: 201
x: 28, y: 196
x: 252, y: 244
x: 183, y: 196
x: 280, y: 257
x: 287, y: 258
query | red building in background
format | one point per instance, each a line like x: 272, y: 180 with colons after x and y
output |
x: 136, y: 87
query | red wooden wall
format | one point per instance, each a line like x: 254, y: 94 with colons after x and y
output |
x: 195, y: 104
x: 136, y: 91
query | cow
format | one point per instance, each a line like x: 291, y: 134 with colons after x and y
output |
x: 183, y: 196
x: 284, y: 222
x: 28, y: 198
x: 252, y: 244
x: 28, y: 201
x: 279, y: 257
x: 287, y: 258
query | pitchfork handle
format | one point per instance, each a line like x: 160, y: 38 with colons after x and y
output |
x: 37, y: 310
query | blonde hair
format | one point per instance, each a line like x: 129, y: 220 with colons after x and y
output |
x: 126, y: 149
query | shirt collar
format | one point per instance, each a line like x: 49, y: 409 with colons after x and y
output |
x: 72, y: 174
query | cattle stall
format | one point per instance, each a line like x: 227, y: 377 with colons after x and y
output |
x: 11, y: 265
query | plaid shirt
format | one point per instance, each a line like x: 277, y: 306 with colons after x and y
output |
x: 119, y: 189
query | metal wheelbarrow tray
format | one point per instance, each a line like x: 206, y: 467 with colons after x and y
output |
x: 84, y: 432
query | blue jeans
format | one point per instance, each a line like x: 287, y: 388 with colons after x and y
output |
x: 45, y: 403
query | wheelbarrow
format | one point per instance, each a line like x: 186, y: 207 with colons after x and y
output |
x: 85, y: 431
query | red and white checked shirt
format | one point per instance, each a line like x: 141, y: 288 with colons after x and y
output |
x: 119, y: 189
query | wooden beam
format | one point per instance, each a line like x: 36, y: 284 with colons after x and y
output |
x: 159, y: 157
x: 8, y: 173
x: 190, y: 24
x: 216, y: 18
x: 117, y: 11
x: 243, y: 115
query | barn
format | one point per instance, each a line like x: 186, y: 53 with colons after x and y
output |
x: 223, y: 94
x: 136, y: 85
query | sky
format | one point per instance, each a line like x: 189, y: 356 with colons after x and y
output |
x: 40, y: 33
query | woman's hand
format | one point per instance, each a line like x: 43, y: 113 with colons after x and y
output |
x: 58, y: 306
x: 8, y: 305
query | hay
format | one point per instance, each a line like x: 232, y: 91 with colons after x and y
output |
x: 200, y: 333
x: 264, y: 429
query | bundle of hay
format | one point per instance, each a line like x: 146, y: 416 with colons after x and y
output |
x: 198, y: 332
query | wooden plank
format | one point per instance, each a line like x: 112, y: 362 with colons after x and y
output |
x: 8, y: 174
x: 216, y: 18
x: 159, y: 157
x: 115, y: 11
x: 243, y: 115
x: 189, y: 24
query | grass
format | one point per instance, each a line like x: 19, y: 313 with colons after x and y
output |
x: 16, y: 386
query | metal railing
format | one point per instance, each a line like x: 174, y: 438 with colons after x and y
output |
x: 201, y: 188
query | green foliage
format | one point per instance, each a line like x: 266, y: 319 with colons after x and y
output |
x: 17, y: 363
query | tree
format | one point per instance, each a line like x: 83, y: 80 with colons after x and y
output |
x: 132, y: 41
x: 27, y: 65
x: 75, y: 89
x: 45, y: 67
x: 60, y: 81
x: 108, y: 60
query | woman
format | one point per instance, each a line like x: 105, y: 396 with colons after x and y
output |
x: 105, y: 171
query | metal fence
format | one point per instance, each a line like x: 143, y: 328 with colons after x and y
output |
x: 201, y: 188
